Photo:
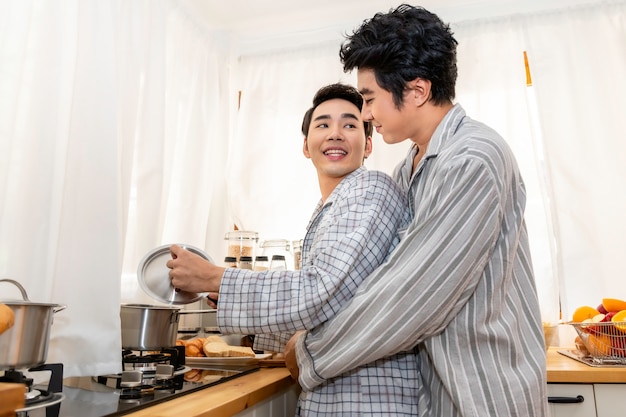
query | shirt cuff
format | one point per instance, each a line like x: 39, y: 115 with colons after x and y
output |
x: 308, y: 378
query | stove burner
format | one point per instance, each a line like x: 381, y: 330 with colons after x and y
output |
x: 49, y: 397
x: 162, y: 371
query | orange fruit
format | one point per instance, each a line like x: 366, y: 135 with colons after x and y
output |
x: 619, y: 320
x: 599, y: 345
x: 613, y: 304
x: 583, y: 313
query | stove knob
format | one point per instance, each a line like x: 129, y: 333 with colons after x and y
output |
x: 130, y: 379
x: 164, y: 372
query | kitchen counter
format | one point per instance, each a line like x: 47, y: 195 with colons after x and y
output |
x: 234, y: 396
x: 562, y: 369
x: 225, y: 399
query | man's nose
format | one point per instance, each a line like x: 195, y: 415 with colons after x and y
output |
x: 366, y: 114
x: 335, y: 133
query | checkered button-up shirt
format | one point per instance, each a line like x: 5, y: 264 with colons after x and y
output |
x: 349, y: 235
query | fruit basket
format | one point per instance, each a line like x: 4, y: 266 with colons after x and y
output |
x: 604, y: 342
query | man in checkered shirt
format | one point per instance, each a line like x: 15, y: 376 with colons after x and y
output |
x: 352, y: 230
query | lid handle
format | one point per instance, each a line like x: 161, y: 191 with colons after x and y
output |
x: 19, y: 286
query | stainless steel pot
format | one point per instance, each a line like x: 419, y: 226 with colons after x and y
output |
x: 25, y: 345
x: 146, y: 327
x: 150, y: 327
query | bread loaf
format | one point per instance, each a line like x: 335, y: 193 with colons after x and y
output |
x: 7, y: 318
x: 214, y: 347
x: 193, y: 347
x: 220, y: 349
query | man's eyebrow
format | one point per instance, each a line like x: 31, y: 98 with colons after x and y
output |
x: 343, y: 116
x: 365, y: 91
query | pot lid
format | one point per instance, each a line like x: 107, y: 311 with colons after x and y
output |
x: 25, y: 300
x: 154, y: 279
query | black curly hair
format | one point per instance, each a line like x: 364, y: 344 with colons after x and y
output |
x: 332, y: 91
x: 404, y: 44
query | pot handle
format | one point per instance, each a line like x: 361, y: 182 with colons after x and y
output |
x: 59, y: 308
x: 19, y: 286
x: 212, y: 310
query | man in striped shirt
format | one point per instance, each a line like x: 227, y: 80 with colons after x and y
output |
x: 352, y: 230
x: 460, y: 284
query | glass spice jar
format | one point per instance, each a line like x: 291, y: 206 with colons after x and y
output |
x: 241, y: 243
x: 297, y: 254
x: 245, y: 262
x: 230, y: 262
x: 261, y: 263
x: 278, y: 263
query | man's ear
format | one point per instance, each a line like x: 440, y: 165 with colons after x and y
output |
x: 421, y: 91
x: 305, y: 148
x: 368, y: 147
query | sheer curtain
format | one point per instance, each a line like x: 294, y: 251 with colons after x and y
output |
x: 112, y: 144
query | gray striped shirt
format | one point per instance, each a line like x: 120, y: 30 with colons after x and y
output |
x: 460, y: 284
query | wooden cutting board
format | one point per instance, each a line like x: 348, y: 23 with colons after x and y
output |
x: 272, y: 363
x: 12, y: 398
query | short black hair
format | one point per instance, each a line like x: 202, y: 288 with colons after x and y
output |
x: 404, y: 44
x: 330, y: 92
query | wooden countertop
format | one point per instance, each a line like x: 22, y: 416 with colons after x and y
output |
x: 234, y: 396
x: 225, y: 399
x: 567, y: 370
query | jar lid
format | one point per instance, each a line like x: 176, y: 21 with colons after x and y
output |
x: 241, y: 235
x: 276, y: 243
x: 278, y: 257
x: 230, y: 259
x: 246, y: 259
x: 261, y: 258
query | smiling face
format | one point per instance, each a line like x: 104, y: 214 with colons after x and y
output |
x: 393, y: 123
x: 336, y: 142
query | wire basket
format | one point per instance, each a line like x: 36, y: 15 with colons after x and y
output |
x: 605, y: 342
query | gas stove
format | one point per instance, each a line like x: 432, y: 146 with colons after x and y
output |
x: 147, y: 379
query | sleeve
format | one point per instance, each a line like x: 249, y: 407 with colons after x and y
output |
x: 271, y: 342
x: 426, y: 281
x: 352, y: 239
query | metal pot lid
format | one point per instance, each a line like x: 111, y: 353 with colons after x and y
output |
x: 149, y: 307
x: 154, y: 279
x: 25, y: 300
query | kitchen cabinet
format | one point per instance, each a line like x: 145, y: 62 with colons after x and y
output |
x: 282, y: 404
x: 610, y: 400
x: 574, y: 400
x: 587, y: 400
x: 603, y: 389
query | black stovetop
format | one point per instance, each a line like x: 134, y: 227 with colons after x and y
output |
x: 86, y: 397
x: 159, y: 378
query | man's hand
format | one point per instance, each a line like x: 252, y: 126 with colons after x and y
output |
x: 291, y: 362
x: 212, y: 299
x: 191, y: 272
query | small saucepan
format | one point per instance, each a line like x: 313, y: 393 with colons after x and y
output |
x: 151, y: 327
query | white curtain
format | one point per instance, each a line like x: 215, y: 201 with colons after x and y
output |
x: 112, y: 144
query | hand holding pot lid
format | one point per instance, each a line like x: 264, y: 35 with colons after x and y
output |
x: 190, y: 272
x: 153, y: 275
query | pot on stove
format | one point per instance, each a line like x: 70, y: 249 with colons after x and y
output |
x: 25, y: 344
x: 147, y: 327
x: 152, y: 327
